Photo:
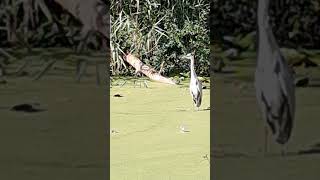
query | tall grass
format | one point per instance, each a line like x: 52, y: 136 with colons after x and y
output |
x: 159, y: 31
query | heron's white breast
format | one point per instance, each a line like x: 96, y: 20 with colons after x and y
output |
x: 193, y: 87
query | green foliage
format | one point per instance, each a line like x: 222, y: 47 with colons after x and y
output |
x: 294, y: 22
x: 159, y: 32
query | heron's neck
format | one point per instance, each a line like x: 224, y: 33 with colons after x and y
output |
x: 192, y: 71
x: 266, y: 41
x: 263, y: 6
x: 263, y: 23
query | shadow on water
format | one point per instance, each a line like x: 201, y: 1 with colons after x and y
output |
x: 227, y: 151
x: 206, y: 109
x: 309, y: 151
x: 184, y: 110
x: 314, y: 149
x: 236, y: 155
x: 314, y: 85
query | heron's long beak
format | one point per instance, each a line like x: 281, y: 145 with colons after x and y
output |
x: 182, y: 57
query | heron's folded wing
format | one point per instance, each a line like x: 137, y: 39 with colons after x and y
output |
x: 285, y: 77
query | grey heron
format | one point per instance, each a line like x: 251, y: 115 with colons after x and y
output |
x: 274, y: 82
x: 195, y: 83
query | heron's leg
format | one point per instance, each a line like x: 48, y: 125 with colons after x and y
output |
x: 283, y: 150
x: 135, y: 80
x: 193, y: 107
x: 265, y: 140
x: 145, y: 84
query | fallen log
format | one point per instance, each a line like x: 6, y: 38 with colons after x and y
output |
x: 146, y: 70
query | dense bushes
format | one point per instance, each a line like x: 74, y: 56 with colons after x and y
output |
x: 295, y: 22
x: 50, y: 23
x: 159, y: 32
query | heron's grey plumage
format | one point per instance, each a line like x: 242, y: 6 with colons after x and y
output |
x: 195, y: 83
x: 274, y: 81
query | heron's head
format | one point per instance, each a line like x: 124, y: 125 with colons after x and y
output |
x: 188, y: 56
